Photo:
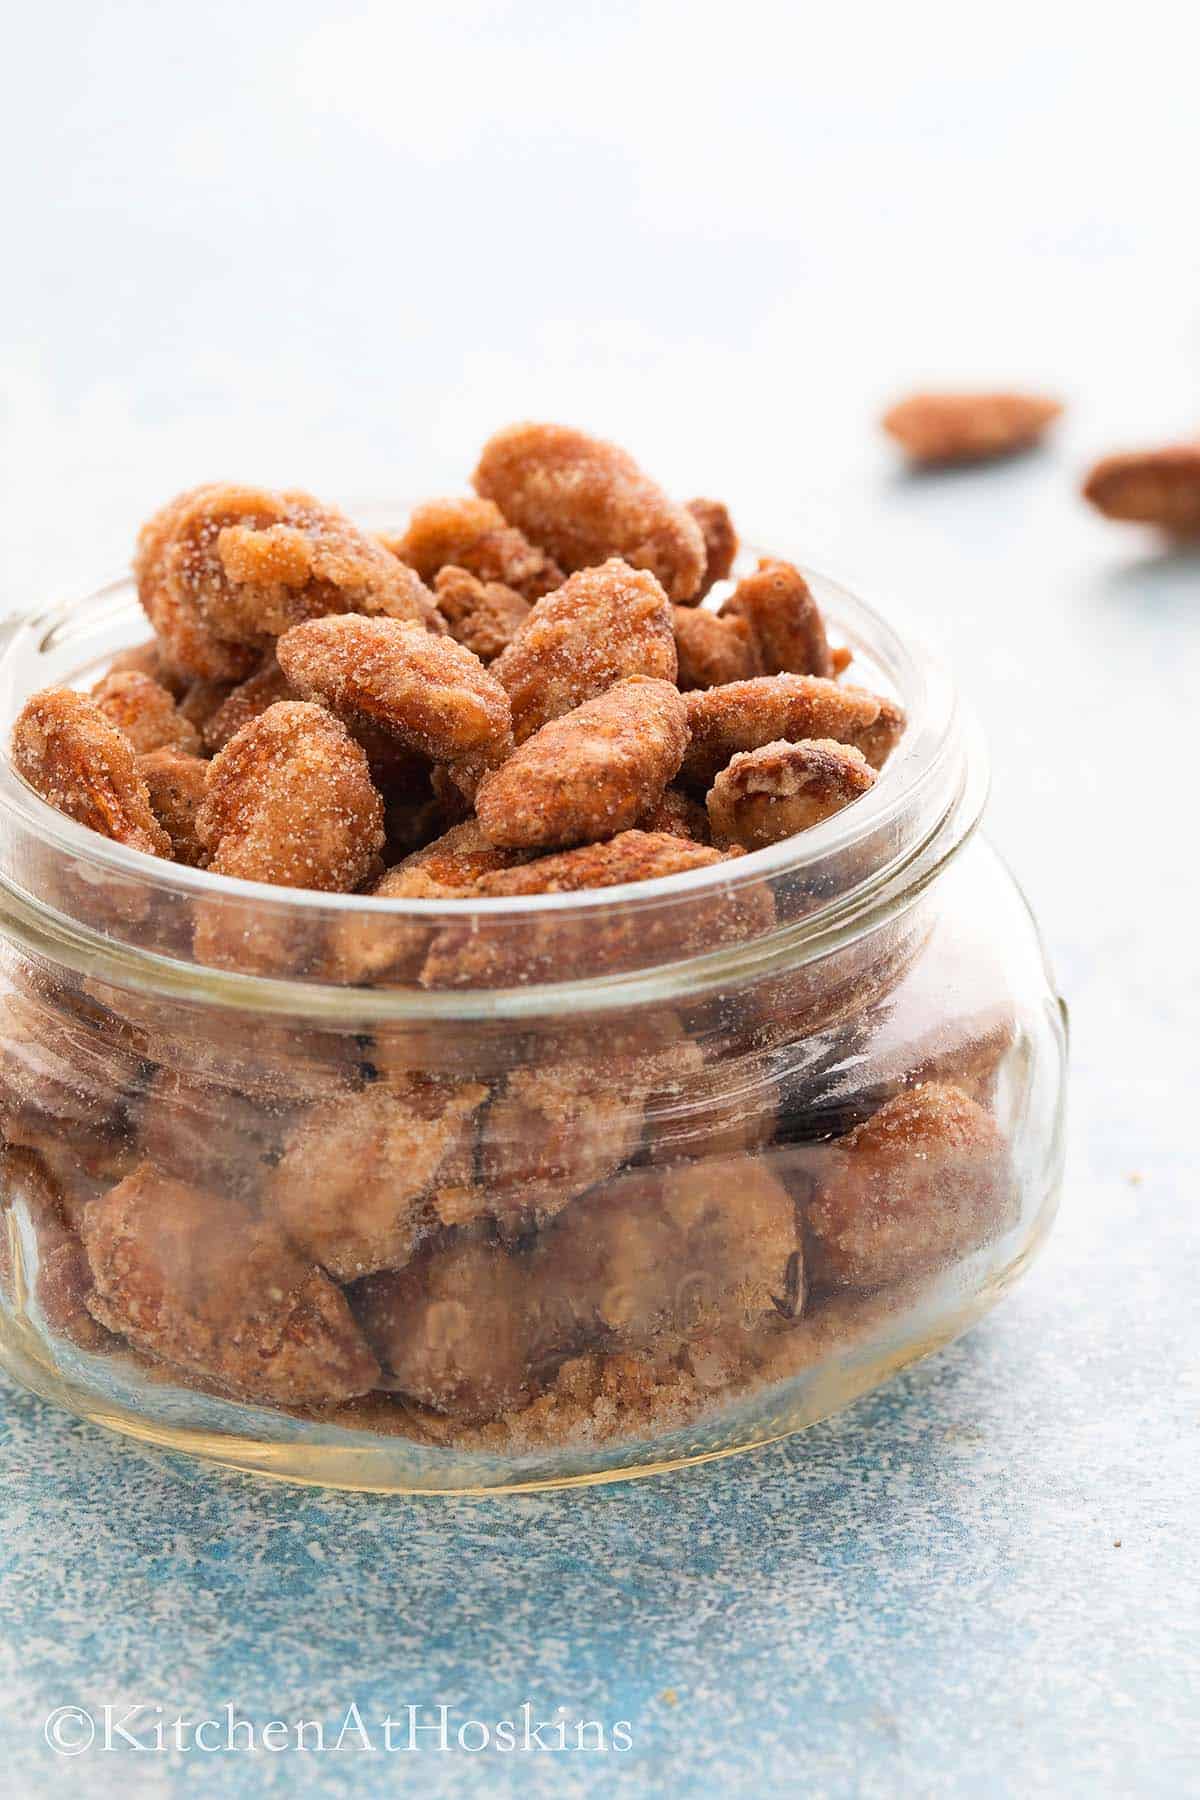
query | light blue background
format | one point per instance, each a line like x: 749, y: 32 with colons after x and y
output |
x: 335, y: 247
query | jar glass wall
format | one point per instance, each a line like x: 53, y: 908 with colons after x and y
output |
x: 452, y: 1195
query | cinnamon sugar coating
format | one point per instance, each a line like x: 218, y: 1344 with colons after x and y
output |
x: 677, y: 813
x: 148, y: 659
x: 196, y: 1280
x: 176, y: 785
x: 245, y: 702
x: 589, y: 774
x: 720, y: 542
x: 429, y: 692
x: 882, y: 736
x: 555, y: 948
x: 584, y: 501
x: 289, y: 800
x: 244, y: 564
x: 363, y: 1180
x: 484, y: 615
x: 659, y: 1259
x: 363, y: 949
x: 713, y: 650
x: 601, y: 625
x: 1150, y: 487
x: 145, y: 711
x: 772, y: 793
x: 184, y: 637
x: 80, y: 763
x: 918, y: 1185
x: 744, y: 715
x: 784, y: 620
x: 474, y: 535
x: 968, y: 427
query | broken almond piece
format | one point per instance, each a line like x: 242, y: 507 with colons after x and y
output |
x: 713, y: 650
x: 720, y: 543
x: 484, y: 615
x: 744, y: 715
x: 474, y: 535
x: 968, y: 427
x: 771, y: 793
x: 586, y: 501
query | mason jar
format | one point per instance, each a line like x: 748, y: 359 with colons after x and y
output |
x: 446, y: 1196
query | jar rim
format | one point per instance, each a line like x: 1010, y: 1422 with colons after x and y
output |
x: 933, y: 784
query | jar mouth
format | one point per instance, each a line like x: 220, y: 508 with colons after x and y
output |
x: 873, y: 854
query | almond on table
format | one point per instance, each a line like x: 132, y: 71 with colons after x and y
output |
x: 968, y: 427
x: 584, y: 501
x: 1150, y: 487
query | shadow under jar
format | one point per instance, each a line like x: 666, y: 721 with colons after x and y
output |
x: 561, y: 1188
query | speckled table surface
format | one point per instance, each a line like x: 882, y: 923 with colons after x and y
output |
x: 980, y: 1580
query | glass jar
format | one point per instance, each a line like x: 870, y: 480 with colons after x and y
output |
x: 444, y: 1196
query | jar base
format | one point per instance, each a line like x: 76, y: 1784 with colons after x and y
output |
x: 402, y: 1467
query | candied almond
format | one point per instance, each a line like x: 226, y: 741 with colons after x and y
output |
x: 677, y: 813
x: 968, y: 427
x: 247, y: 563
x: 289, y: 800
x: 474, y: 535
x: 145, y: 711
x: 743, y: 715
x: 913, y: 1188
x: 80, y: 763
x: 185, y: 639
x: 429, y: 692
x: 175, y: 783
x: 600, y: 625
x: 585, y: 500
x: 720, y: 542
x: 768, y: 794
x: 363, y: 1180
x: 589, y: 774
x: 61, y: 1277
x: 712, y: 650
x: 558, y: 947
x: 881, y: 737
x: 245, y: 702
x: 148, y: 659
x: 196, y: 1280
x: 484, y: 615
x: 1150, y: 487
x: 363, y: 948
x: 784, y: 620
